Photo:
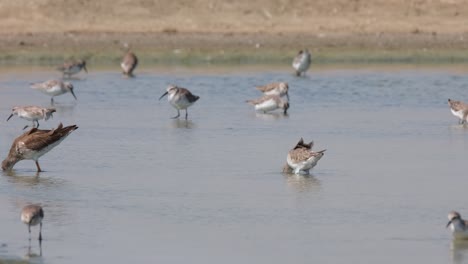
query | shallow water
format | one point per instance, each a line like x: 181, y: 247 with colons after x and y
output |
x: 132, y: 185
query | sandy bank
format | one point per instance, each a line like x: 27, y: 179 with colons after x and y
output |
x: 242, y: 31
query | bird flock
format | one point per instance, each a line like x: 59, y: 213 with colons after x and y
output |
x: 34, y: 143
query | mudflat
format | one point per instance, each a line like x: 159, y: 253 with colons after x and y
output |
x: 209, y: 30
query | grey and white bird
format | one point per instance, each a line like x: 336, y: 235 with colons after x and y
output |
x: 32, y: 113
x: 32, y: 215
x: 54, y: 88
x: 301, y: 62
x: 70, y: 68
x: 276, y: 88
x: 269, y: 103
x: 457, y: 225
x: 460, y: 110
x: 180, y: 98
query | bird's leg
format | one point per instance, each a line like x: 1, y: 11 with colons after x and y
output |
x: 40, y: 248
x: 40, y: 231
x: 178, y: 114
x: 29, y: 248
x: 52, y: 100
x: 29, y: 229
x: 186, y: 113
x: 37, y: 121
x: 38, y: 167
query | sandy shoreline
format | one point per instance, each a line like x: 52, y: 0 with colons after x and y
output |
x: 154, y: 48
x: 46, y: 31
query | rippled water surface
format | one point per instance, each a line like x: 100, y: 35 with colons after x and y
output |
x: 132, y: 185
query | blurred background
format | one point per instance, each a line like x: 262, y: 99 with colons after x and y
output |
x: 207, y: 31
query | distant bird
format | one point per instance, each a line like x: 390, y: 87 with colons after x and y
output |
x: 32, y: 113
x: 72, y: 67
x: 457, y: 225
x: 277, y: 88
x: 33, y: 215
x: 34, y: 143
x: 301, y: 62
x: 180, y: 98
x: 301, y: 158
x: 129, y: 63
x: 459, y: 109
x: 54, y: 88
x: 269, y: 103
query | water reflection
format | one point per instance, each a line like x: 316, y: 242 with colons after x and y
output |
x: 302, y: 183
x: 271, y: 115
x: 74, y: 78
x: 182, y: 123
x: 65, y: 109
x: 31, y: 179
x: 459, y: 251
x: 459, y: 127
x: 34, y: 255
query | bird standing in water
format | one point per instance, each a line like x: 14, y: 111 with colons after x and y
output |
x: 301, y: 62
x: 180, y: 98
x: 34, y: 143
x: 32, y: 215
x: 70, y: 68
x: 32, y: 113
x: 54, y: 88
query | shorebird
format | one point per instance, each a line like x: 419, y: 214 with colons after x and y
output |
x: 301, y: 158
x: 32, y: 113
x: 34, y: 143
x: 129, y: 63
x: 54, y: 88
x: 457, y: 225
x: 269, y: 103
x: 33, y: 215
x: 276, y: 88
x: 72, y: 67
x: 180, y: 98
x: 301, y: 62
x: 459, y: 109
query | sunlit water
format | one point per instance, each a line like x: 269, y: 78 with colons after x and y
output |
x: 132, y: 185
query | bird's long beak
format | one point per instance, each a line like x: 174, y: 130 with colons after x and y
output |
x: 84, y: 68
x: 163, y: 95
x: 71, y: 91
x: 448, y: 224
x: 9, y: 117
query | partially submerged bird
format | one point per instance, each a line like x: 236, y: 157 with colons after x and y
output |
x: 54, y: 88
x: 32, y: 113
x: 33, y: 215
x: 459, y: 109
x: 269, y: 103
x: 277, y: 88
x: 180, y: 98
x: 72, y: 67
x: 301, y: 158
x: 34, y: 143
x: 301, y: 62
x: 457, y: 225
x: 129, y: 63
